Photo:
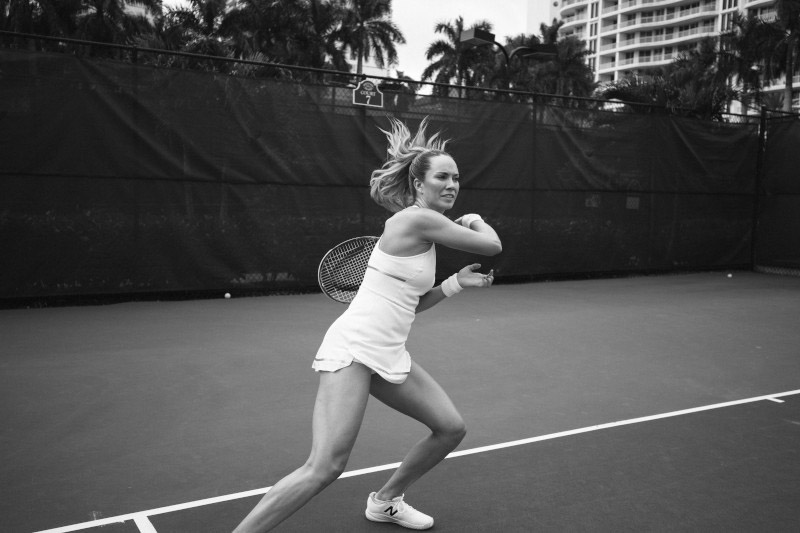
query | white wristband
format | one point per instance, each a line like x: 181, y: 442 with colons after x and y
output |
x: 450, y: 286
x: 466, y: 220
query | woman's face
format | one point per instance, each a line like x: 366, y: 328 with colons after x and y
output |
x: 439, y: 189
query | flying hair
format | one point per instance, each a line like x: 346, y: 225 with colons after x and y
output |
x: 392, y: 185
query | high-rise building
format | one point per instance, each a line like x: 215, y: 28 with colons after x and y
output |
x: 626, y: 37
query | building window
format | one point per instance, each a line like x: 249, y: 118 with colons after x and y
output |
x: 727, y: 21
x: 594, y: 10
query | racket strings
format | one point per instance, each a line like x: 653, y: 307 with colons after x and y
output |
x: 342, y: 269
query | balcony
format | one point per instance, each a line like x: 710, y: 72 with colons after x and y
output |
x: 678, y: 17
x: 628, y: 42
x: 575, y: 18
x: 706, y: 7
x: 695, y: 31
x: 607, y: 66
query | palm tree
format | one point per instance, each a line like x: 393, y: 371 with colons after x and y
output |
x: 452, y: 61
x: 700, y: 79
x: 17, y: 15
x: 321, y: 48
x: 108, y: 21
x: 42, y: 17
x: 201, y: 24
x: 787, y: 53
x: 290, y: 32
x: 744, y: 47
x: 651, y: 90
x: 549, y: 33
x: 368, y: 31
x: 516, y: 75
x: 567, y: 74
x: 772, y: 45
x: 694, y: 84
x: 263, y: 27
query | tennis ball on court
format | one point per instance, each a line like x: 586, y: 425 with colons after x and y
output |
x: 227, y: 295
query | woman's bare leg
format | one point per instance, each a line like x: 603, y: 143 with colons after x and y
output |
x: 338, y: 413
x: 421, y: 398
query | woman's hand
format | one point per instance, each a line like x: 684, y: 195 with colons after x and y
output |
x: 468, y: 277
x: 467, y: 220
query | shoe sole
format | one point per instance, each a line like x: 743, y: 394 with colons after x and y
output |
x: 387, y: 519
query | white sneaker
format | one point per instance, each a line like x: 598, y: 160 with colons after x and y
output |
x: 398, y: 512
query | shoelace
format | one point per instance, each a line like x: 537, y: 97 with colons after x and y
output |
x: 400, y: 506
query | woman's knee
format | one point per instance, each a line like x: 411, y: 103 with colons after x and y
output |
x: 454, y: 430
x: 326, y: 470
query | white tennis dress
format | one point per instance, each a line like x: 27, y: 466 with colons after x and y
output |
x: 374, y: 328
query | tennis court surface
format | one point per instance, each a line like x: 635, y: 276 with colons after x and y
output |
x: 660, y: 403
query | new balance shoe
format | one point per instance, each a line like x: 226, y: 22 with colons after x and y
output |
x: 397, y: 511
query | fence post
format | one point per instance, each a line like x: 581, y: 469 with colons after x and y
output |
x: 531, y: 241
x: 762, y: 145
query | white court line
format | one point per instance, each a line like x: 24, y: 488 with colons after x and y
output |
x: 145, y: 526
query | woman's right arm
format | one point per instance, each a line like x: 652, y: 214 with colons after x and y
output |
x: 480, y: 238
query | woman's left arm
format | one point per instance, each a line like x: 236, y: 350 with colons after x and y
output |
x: 466, y: 277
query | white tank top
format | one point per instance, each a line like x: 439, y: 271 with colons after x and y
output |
x: 375, y: 326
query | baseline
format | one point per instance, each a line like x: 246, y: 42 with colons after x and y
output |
x: 140, y: 518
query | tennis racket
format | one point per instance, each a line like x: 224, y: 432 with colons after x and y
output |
x: 342, y: 268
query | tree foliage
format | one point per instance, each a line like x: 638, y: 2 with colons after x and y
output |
x: 767, y: 49
x: 310, y: 33
x: 695, y: 84
x: 453, y: 62
x: 368, y: 31
x: 700, y: 82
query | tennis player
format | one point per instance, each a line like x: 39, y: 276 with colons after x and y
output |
x: 364, y: 351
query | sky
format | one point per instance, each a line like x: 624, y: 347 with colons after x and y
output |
x: 417, y: 19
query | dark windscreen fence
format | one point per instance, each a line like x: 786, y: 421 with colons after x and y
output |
x: 123, y: 179
x: 777, y: 243
x: 629, y: 192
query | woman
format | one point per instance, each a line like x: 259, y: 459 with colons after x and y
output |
x: 364, y: 351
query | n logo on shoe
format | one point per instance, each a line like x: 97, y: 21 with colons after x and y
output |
x: 391, y: 511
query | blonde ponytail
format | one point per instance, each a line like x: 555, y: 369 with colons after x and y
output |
x: 392, y: 185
